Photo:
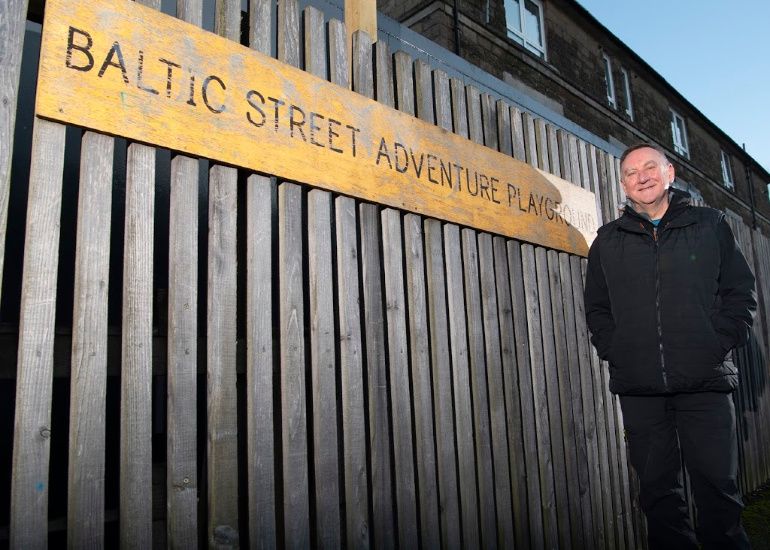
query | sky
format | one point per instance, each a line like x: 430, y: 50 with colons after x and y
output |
x: 715, y: 53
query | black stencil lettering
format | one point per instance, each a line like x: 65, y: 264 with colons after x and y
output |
x: 108, y: 62
x: 169, y: 74
x: 314, y: 128
x: 333, y: 134
x: 250, y: 99
x: 205, y: 93
x: 84, y: 49
x: 296, y: 123
x: 383, y: 152
x: 140, y: 73
x: 399, y: 148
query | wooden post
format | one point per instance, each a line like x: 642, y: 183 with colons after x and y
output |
x: 361, y: 15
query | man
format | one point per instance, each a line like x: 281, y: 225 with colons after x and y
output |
x: 668, y: 296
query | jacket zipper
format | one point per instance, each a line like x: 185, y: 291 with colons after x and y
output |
x: 657, y: 308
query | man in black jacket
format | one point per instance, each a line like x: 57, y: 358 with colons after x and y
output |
x: 668, y: 296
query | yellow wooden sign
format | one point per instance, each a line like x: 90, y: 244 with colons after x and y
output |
x: 123, y: 69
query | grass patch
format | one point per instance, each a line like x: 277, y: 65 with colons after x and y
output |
x: 756, y: 518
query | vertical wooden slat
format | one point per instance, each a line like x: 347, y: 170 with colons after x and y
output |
x: 296, y: 493
x: 573, y: 370
x: 383, y: 63
x: 442, y: 386
x: 535, y: 339
x: 504, y: 138
x: 220, y: 359
x: 181, y: 445
x: 551, y: 386
x: 222, y: 424
x: 422, y: 397
x: 322, y: 353
x: 530, y: 143
x: 541, y: 141
x: 553, y: 150
x: 479, y: 388
x: 587, y: 400
x: 459, y: 109
x: 136, y: 360
x: 363, y: 79
x: 260, y: 440
x: 13, y: 14
x: 565, y: 399
x: 489, y: 117
x: 398, y: 363
x: 288, y: 32
x: 377, y: 378
x: 475, y: 125
x: 338, y: 54
x: 442, y: 100
x: 351, y: 377
x: 513, y: 403
x: 85, y: 487
x: 562, y: 137
x: 517, y: 135
x: 322, y: 362
x: 464, y: 412
x: 526, y: 397
x: 32, y: 420
x: 423, y: 91
x: 404, y: 82
x: 496, y: 385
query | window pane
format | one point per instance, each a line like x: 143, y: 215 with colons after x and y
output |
x: 513, y: 15
x: 532, y: 23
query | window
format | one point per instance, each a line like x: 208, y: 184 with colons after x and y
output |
x: 524, y: 19
x: 679, y: 134
x: 610, y: 83
x: 727, y: 172
x: 627, y: 92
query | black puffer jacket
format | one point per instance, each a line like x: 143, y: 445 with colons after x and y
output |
x: 666, y: 306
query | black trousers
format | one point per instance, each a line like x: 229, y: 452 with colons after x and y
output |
x: 699, y: 429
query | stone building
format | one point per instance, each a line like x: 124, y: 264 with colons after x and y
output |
x: 558, y: 54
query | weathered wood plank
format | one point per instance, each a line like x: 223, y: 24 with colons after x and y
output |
x: 351, y: 377
x: 562, y: 137
x: 489, y: 117
x: 403, y: 67
x: 442, y: 389
x: 541, y: 142
x: 383, y: 65
x: 513, y: 404
x: 535, y: 335
x: 315, y: 45
x: 551, y: 386
x: 504, y: 137
x: 377, y: 377
x: 526, y: 398
x: 296, y: 493
x: 361, y: 55
x: 496, y: 385
x: 475, y: 125
x: 260, y: 25
x: 568, y: 429
x: 322, y: 367
x: 553, y: 150
x: 181, y: 443
x: 13, y: 14
x: 459, y: 108
x: 442, y: 100
x: 587, y: 401
x: 398, y: 364
x: 421, y: 382
x: 339, y: 54
x: 423, y: 90
x: 288, y: 32
x: 574, y: 367
x: 530, y: 144
x: 85, y: 486
x: 222, y: 423
x: 517, y: 135
x: 136, y: 353
x: 464, y: 411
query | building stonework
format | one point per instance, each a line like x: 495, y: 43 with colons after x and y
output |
x: 572, y: 80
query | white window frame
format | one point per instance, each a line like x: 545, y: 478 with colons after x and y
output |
x: 627, y: 90
x: 521, y: 36
x: 679, y: 139
x: 609, y: 81
x: 727, y: 170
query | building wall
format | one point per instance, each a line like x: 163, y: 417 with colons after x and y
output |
x: 572, y: 76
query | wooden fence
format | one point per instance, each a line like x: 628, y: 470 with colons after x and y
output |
x: 209, y: 357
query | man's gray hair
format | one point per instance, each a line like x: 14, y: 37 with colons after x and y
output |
x: 636, y: 146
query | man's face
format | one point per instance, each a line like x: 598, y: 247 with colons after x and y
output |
x: 646, y: 175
